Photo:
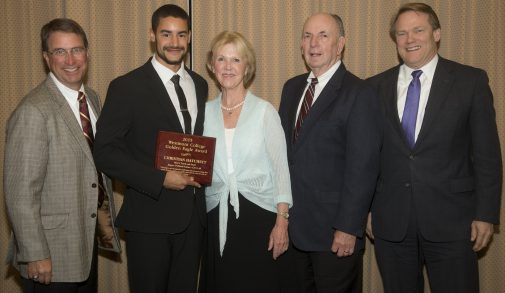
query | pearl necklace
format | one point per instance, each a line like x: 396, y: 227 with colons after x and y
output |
x: 230, y: 110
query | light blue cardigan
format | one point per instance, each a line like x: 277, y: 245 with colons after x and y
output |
x: 259, y: 157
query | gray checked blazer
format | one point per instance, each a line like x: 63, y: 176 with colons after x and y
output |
x: 50, y: 185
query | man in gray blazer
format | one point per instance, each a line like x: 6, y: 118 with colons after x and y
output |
x: 57, y: 203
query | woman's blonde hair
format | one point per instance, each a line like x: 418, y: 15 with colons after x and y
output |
x: 244, y: 49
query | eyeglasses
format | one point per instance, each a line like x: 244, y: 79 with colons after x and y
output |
x: 76, y: 52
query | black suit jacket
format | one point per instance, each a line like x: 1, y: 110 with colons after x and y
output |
x: 454, y: 173
x: 136, y: 108
x: 335, y: 161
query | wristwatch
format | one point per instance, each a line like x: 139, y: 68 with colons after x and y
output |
x: 285, y: 215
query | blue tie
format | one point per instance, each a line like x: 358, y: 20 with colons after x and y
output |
x: 410, y: 111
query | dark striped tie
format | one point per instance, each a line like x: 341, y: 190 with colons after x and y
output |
x: 304, y: 109
x: 87, y: 130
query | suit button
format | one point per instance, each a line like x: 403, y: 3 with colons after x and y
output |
x: 407, y: 184
x: 93, y: 215
x: 93, y: 185
x: 411, y: 157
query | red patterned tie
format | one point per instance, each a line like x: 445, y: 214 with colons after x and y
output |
x: 304, y: 110
x: 87, y: 129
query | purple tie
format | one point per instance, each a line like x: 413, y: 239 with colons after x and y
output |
x: 410, y: 111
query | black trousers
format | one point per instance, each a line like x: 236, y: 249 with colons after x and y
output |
x: 88, y: 286
x: 325, y: 272
x: 451, y: 266
x: 165, y: 263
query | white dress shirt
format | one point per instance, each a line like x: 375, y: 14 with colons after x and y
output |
x: 322, y: 80
x: 71, y: 97
x: 426, y: 79
x: 187, y: 85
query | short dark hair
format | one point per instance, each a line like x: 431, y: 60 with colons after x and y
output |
x: 166, y: 11
x: 66, y: 25
x: 416, y: 7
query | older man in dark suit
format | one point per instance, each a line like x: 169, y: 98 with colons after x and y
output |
x: 441, y: 174
x: 332, y: 126
x: 163, y: 212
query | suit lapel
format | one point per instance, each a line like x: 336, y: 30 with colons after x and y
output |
x: 442, y: 81
x: 201, y: 99
x: 293, y: 107
x: 327, y: 96
x: 391, y: 102
x: 68, y: 117
x: 159, y: 93
x: 93, y: 101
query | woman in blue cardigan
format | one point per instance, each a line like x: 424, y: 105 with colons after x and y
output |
x: 250, y: 196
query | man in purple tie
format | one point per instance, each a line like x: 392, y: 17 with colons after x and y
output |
x: 331, y: 120
x: 439, y: 190
x: 60, y: 208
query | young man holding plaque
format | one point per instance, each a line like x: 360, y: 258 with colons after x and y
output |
x: 163, y: 213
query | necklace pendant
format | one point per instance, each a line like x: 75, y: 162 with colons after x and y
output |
x: 231, y: 109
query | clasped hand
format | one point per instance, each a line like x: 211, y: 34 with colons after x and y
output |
x: 176, y: 180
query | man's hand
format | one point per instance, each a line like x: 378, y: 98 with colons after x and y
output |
x: 481, y: 234
x: 105, y: 232
x: 343, y: 244
x: 368, y: 230
x: 40, y: 271
x: 279, y: 239
x: 178, y: 181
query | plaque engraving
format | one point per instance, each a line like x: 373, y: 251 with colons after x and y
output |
x: 189, y: 154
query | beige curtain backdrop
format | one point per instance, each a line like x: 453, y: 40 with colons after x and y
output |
x: 473, y: 33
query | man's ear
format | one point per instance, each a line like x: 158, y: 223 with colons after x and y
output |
x: 152, y: 35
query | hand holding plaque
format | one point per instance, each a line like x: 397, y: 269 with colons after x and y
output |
x: 190, y: 154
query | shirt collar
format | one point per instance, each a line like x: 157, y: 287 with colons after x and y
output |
x: 428, y: 70
x: 166, y: 73
x: 66, y: 91
x: 327, y: 75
